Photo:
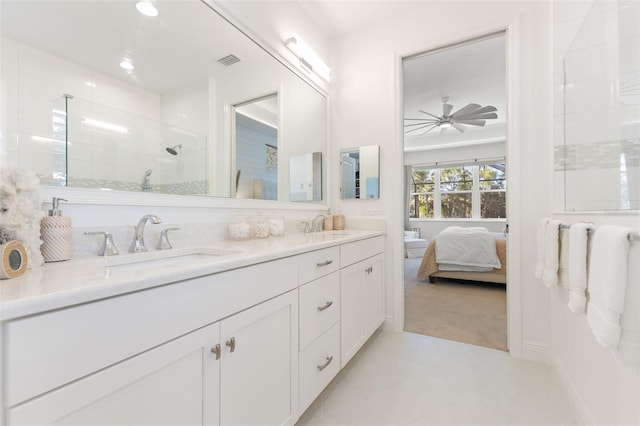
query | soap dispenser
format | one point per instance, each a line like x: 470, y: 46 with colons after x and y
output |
x: 55, y: 231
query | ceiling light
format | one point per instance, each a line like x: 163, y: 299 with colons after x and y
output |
x: 309, y: 61
x: 105, y: 126
x: 126, y: 65
x: 147, y: 8
x: 90, y: 83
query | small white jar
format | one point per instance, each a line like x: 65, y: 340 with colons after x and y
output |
x: 259, y: 227
x: 276, y: 225
x: 239, y: 228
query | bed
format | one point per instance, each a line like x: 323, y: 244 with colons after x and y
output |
x: 497, y: 273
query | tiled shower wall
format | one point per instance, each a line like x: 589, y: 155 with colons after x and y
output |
x: 35, y: 82
x: 597, y: 105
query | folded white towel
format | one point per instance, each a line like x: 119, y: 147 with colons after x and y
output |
x: 578, y: 236
x: 551, y: 253
x: 607, y: 283
x: 542, y: 227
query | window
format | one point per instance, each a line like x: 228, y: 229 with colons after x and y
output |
x: 465, y: 192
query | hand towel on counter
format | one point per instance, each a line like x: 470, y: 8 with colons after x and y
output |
x: 607, y: 283
x: 542, y: 227
x: 551, y: 253
x: 578, y: 238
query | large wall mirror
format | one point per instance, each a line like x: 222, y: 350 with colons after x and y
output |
x: 99, y: 95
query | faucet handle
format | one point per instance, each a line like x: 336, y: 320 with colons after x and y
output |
x: 163, y: 243
x: 306, y: 228
x: 108, y: 248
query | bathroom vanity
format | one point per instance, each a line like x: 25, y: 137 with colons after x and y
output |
x: 251, y: 336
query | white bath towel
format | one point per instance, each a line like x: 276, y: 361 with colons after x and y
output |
x: 551, y: 253
x: 578, y: 237
x: 542, y: 227
x: 607, y: 283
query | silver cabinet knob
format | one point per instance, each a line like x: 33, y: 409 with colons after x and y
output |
x: 216, y: 350
x: 232, y: 344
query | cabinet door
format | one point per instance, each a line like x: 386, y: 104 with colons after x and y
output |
x: 352, y: 310
x: 373, y: 297
x: 259, y: 365
x: 176, y: 383
x: 361, y: 304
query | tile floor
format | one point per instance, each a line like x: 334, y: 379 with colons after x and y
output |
x: 411, y: 379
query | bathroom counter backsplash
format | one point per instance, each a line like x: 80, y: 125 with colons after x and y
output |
x: 87, y: 277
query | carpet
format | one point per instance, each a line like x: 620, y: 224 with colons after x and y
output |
x: 464, y: 311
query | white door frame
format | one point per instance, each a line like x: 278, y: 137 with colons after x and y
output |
x: 396, y: 230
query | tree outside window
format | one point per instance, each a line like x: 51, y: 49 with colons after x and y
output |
x: 465, y: 192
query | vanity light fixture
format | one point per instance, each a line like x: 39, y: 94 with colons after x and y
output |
x: 309, y: 61
x: 147, y: 8
x: 126, y: 65
x: 103, y: 125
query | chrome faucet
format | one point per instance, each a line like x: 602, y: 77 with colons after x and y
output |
x: 318, y: 223
x: 137, y: 245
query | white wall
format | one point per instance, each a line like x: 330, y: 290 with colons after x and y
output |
x: 366, y: 107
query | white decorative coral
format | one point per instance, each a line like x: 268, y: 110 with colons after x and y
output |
x: 20, y: 212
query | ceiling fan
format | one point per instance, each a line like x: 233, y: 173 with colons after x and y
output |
x: 472, y: 114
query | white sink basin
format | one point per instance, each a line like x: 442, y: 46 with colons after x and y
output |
x: 166, y: 260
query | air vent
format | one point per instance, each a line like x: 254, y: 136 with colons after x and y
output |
x: 229, y: 60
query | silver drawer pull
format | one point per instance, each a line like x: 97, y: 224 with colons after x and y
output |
x: 325, y: 263
x: 326, y: 364
x: 216, y: 350
x: 326, y: 306
x: 232, y: 344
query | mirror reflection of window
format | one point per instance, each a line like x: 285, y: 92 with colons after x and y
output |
x: 256, y: 149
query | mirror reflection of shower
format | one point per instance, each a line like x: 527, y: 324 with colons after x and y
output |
x: 146, y: 181
x: 174, y: 150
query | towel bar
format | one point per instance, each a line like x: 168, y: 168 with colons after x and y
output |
x: 630, y: 237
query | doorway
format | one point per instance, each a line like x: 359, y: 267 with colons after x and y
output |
x: 455, y: 127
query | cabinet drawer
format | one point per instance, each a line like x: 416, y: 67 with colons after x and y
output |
x: 319, y: 364
x: 51, y: 349
x: 318, y: 263
x: 319, y: 307
x: 359, y: 250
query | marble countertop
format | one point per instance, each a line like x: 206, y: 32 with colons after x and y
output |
x: 86, y: 279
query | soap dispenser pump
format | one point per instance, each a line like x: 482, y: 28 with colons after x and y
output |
x: 55, y: 231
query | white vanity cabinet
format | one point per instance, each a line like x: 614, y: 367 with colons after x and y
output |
x: 361, y: 293
x: 254, y: 345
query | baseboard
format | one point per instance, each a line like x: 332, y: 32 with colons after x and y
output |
x: 584, y: 418
x: 535, y: 352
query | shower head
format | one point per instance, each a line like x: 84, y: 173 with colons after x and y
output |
x: 174, y: 149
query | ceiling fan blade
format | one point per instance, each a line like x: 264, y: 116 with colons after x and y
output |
x: 482, y: 110
x: 419, y: 119
x: 428, y: 113
x: 465, y: 110
x: 458, y: 127
x: 471, y: 122
x: 446, y: 109
x: 421, y: 123
x: 426, y: 126
x: 485, y: 116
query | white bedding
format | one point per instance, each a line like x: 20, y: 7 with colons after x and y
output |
x: 466, y: 249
